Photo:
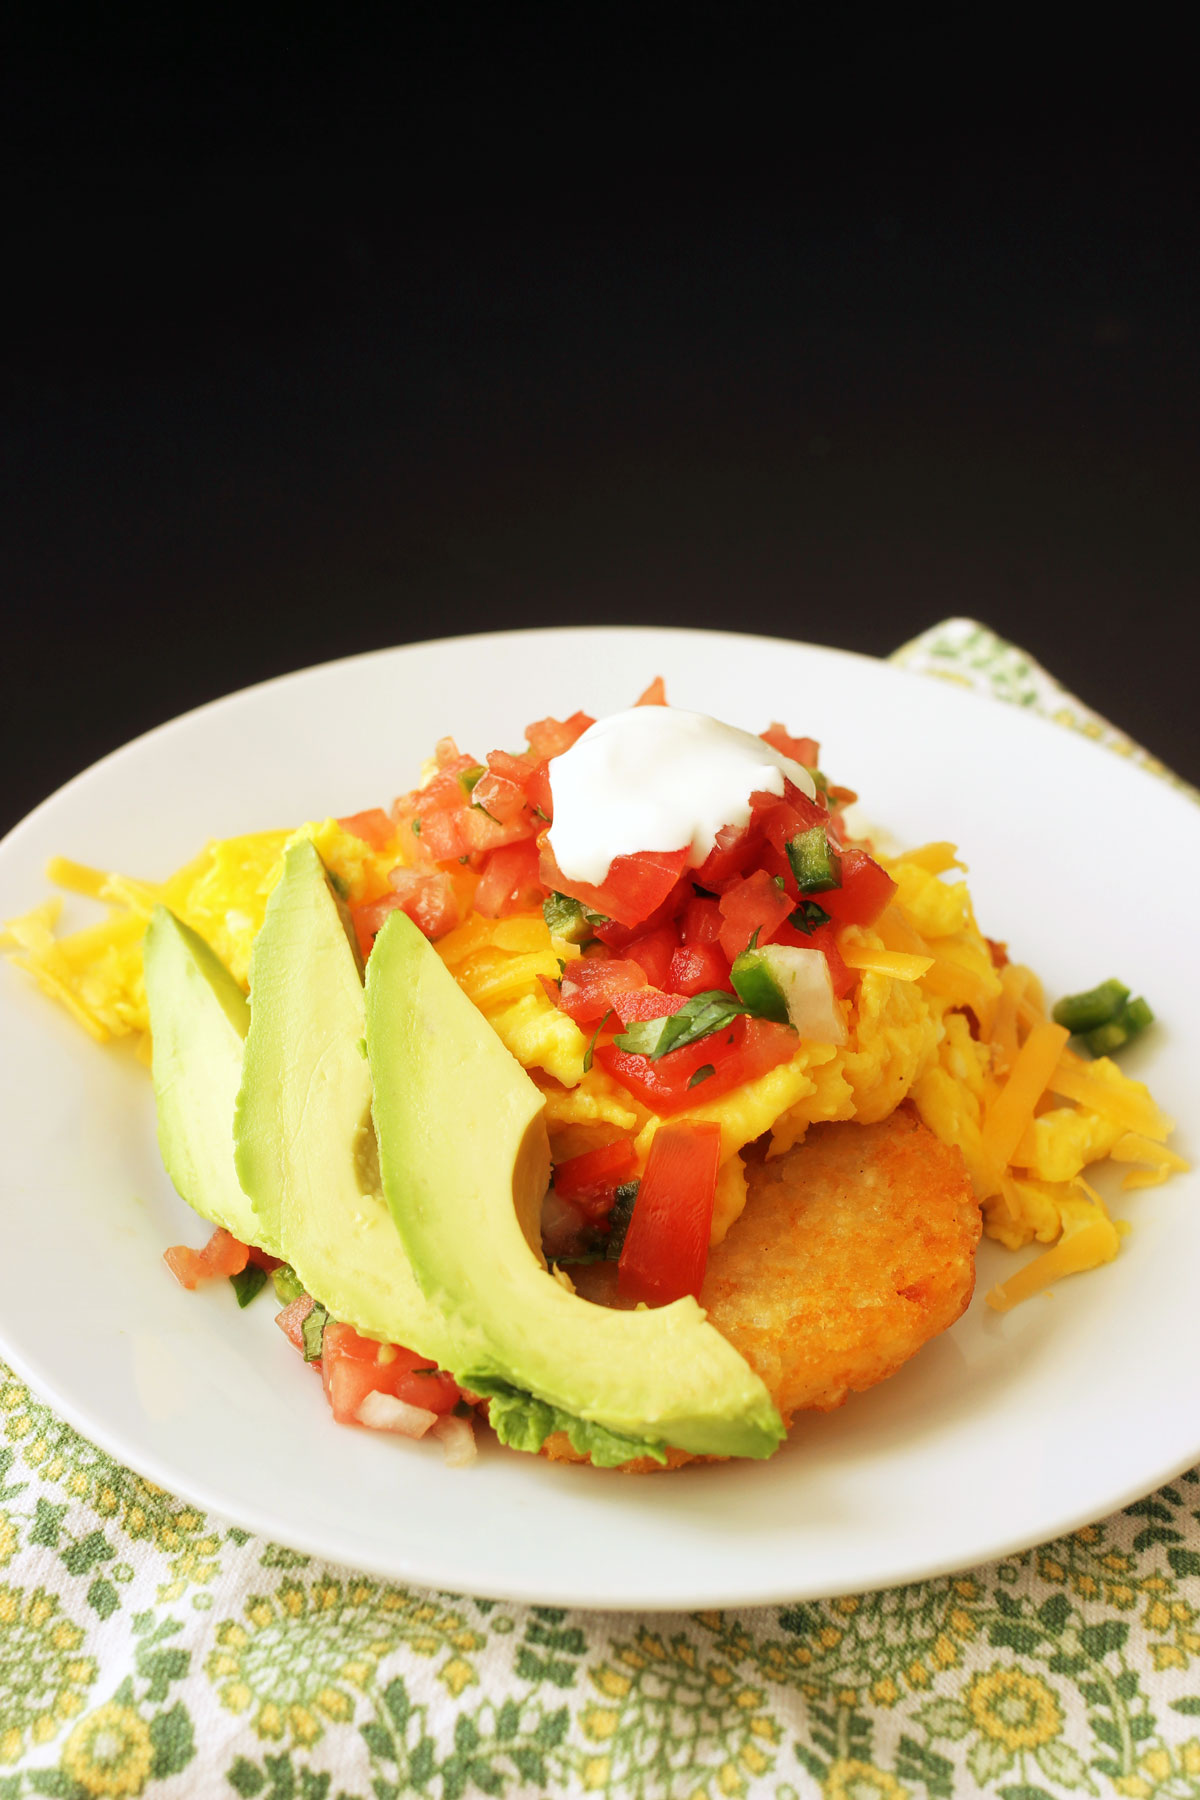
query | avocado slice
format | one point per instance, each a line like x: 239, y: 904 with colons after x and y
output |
x: 303, y: 1132
x: 465, y: 1164
x: 198, y: 1021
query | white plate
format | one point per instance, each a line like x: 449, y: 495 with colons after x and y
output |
x: 1003, y: 1432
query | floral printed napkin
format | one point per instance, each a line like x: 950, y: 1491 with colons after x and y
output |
x: 148, y: 1648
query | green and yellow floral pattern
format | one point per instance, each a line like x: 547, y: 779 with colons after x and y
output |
x: 148, y: 1649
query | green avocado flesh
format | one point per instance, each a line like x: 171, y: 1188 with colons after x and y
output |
x: 303, y: 1132
x: 465, y: 1163
x: 198, y: 1021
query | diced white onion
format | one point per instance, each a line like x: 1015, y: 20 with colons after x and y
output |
x: 561, y: 1225
x: 804, y: 979
x: 383, y: 1412
x: 457, y: 1438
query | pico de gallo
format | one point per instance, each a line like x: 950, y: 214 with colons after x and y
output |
x: 692, y: 973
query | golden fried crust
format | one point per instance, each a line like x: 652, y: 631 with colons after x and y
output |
x: 854, y: 1250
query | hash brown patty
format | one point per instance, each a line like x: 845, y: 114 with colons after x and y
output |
x: 854, y: 1250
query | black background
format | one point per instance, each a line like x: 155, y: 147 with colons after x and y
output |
x: 322, y: 344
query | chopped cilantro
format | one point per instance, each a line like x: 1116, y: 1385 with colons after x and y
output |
x: 587, y: 1055
x: 570, y: 919
x: 702, y: 1074
x: 618, y: 1219
x: 696, y: 1019
x: 313, y: 1331
x: 248, y: 1282
x: 807, y: 916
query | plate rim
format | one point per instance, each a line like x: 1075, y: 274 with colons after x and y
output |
x: 515, y: 1593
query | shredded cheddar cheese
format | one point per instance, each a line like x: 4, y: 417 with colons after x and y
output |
x: 1011, y: 1111
x: 899, y: 964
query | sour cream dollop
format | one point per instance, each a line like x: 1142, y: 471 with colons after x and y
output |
x: 657, y: 778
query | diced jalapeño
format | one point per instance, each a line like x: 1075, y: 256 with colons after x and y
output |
x: 1115, y: 1033
x: 1097, y: 1006
x: 757, y: 987
x: 570, y: 919
x: 287, y: 1284
x: 815, y: 863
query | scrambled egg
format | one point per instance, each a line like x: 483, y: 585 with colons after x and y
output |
x: 97, y: 973
x: 931, y: 1021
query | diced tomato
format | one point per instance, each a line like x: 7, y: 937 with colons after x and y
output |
x: 509, y: 882
x: 646, y: 1003
x: 550, y: 737
x: 516, y: 769
x: 738, y: 850
x: 347, y: 1382
x: 447, y: 755
x: 804, y: 750
x: 865, y: 891
x: 445, y: 820
x: 223, y: 1255
x: 619, y: 937
x: 698, y: 968
x: 353, y: 1367
x: 261, y: 1259
x: 665, y: 1252
x: 757, y: 904
x: 446, y: 793
x: 631, y: 891
x: 374, y: 827
x: 745, y: 1050
x: 443, y: 835
x: 538, y: 790
x: 584, y: 1177
x: 185, y: 1265
x: 700, y: 922
x: 291, y: 1320
x: 512, y: 791
x: 731, y: 855
x: 501, y: 798
x: 653, y: 952
x: 654, y: 695
x: 591, y: 984
x: 426, y: 895
x: 785, y: 819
